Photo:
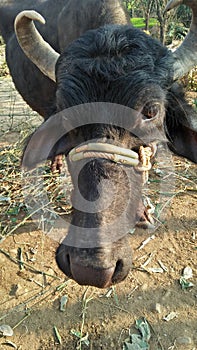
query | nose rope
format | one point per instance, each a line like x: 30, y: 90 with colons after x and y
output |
x: 145, y: 154
x: 106, y: 151
x: 140, y: 161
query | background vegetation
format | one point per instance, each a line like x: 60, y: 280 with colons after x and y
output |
x: 171, y: 26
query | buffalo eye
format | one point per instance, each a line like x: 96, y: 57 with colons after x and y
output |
x: 150, y: 110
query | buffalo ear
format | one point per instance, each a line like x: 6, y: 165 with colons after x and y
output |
x: 181, y: 126
x: 183, y: 141
x: 42, y: 145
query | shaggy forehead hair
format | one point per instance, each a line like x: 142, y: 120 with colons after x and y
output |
x: 111, y: 63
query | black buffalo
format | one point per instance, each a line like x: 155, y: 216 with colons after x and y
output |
x: 96, y: 56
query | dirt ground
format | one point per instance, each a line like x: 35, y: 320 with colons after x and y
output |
x: 31, y: 290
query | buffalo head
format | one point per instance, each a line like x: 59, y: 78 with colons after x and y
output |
x: 111, y: 66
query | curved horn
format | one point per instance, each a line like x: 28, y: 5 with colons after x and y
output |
x: 33, y: 44
x: 185, y: 56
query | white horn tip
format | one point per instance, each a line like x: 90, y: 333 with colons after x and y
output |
x: 30, y: 14
x: 172, y: 4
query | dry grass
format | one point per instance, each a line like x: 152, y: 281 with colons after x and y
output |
x: 13, y: 206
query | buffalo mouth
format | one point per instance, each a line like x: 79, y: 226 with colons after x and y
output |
x: 99, y: 267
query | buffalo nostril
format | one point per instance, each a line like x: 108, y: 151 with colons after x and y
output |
x: 67, y: 258
x: 63, y: 262
x: 120, y: 272
x: 119, y: 266
x: 67, y: 265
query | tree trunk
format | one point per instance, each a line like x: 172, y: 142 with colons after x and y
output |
x: 147, y: 17
x: 162, y: 23
x: 147, y: 12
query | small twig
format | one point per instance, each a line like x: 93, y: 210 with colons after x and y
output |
x: 21, y: 321
x: 85, y: 302
x: 36, y: 282
x: 184, y: 178
x: 130, y: 294
x: 148, y: 260
x: 144, y: 243
x: 20, y: 259
x: 162, y: 266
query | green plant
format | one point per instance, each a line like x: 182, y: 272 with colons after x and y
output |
x: 83, y: 338
x: 176, y: 31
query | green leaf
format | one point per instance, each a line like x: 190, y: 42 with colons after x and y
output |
x: 14, y: 220
x: 63, y: 302
x: 129, y: 346
x: 83, y: 339
x: 139, y: 341
x: 76, y: 333
x: 144, y: 329
x: 13, y: 211
x: 185, y: 284
x: 136, y: 343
